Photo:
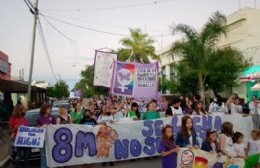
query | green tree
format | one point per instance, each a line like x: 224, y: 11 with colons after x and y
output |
x: 198, y: 47
x: 225, y: 67
x: 138, y: 47
x: 86, y: 83
x: 59, y: 90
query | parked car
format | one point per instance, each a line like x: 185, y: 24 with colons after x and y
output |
x: 32, y: 116
x: 61, y: 103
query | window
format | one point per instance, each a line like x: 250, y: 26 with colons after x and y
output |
x: 172, y: 73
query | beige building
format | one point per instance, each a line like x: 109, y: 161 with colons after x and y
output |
x: 243, y: 34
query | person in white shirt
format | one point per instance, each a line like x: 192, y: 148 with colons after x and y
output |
x: 106, y: 116
x: 117, y: 111
x: 239, y: 146
x: 217, y: 106
x: 254, y: 107
x: 175, y: 108
x: 254, y: 143
x: 235, y: 107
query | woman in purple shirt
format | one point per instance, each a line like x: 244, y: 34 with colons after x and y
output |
x: 45, y: 118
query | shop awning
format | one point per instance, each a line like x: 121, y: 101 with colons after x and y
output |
x: 18, y: 87
x: 251, y: 73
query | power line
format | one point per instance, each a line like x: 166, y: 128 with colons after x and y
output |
x: 65, y: 36
x: 96, y: 30
x: 102, y: 24
x: 45, y: 48
x: 83, y: 27
x: 113, y: 7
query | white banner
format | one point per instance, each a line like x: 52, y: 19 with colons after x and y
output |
x: 200, y: 159
x: 30, y: 137
x: 80, y: 144
x: 103, y: 68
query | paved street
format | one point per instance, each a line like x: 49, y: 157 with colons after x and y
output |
x: 142, y: 163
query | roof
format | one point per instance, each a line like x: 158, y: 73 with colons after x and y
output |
x: 17, y: 87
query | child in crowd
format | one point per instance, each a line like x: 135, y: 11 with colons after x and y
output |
x: 238, y: 145
x: 151, y: 112
x: 226, y: 141
x: 210, y: 144
x: 168, y: 149
x: 106, y: 116
x: 134, y: 113
x: 199, y: 110
x: 87, y: 118
x: 187, y: 136
x: 254, y: 143
x: 253, y: 152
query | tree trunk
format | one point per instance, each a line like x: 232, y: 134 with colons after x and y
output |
x: 201, y: 86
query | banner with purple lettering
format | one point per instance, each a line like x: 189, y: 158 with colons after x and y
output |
x: 134, y: 79
x: 103, y: 68
x: 80, y: 144
x: 30, y: 137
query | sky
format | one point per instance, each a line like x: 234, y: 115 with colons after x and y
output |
x: 69, y: 56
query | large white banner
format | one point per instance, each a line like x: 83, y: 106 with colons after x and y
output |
x: 104, y: 64
x: 80, y: 144
x: 30, y: 137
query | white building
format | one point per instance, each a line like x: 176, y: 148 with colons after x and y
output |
x: 243, y: 34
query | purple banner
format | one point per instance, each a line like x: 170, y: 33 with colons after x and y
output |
x: 135, y: 80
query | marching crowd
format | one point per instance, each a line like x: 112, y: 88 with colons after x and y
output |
x: 100, y: 110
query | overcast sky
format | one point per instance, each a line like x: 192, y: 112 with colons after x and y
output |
x: 113, y: 16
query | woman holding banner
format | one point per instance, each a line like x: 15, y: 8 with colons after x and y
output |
x: 17, y: 119
x: 63, y: 118
x: 45, y: 118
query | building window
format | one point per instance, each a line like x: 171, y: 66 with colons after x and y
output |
x: 172, y: 73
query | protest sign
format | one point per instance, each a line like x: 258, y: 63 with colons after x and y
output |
x: 30, y: 137
x: 197, y: 158
x: 103, y: 68
x: 79, y: 144
x: 134, y: 79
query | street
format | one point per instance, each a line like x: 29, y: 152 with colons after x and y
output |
x: 151, y: 163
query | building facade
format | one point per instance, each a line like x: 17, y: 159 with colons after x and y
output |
x: 243, y: 33
x: 5, y: 67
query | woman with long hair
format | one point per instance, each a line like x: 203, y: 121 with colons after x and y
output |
x: 134, y: 113
x: 17, y: 119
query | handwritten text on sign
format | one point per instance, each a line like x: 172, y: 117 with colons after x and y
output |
x: 78, y: 144
x: 30, y: 137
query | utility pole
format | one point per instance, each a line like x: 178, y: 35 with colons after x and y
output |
x: 35, y: 12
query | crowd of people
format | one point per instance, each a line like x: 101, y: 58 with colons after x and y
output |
x: 102, y: 110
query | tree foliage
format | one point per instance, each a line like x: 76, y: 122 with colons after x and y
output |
x: 200, y: 55
x: 86, y: 83
x: 60, y: 90
x: 138, y: 47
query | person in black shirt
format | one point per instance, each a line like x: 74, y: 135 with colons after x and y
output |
x: 87, y: 120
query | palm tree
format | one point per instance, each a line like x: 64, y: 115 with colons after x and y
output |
x: 197, y: 48
x: 138, y: 47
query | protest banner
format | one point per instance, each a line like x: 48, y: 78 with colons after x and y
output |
x: 196, y: 158
x: 79, y: 144
x: 30, y: 137
x: 134, y: 79
x: 103, y: 68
